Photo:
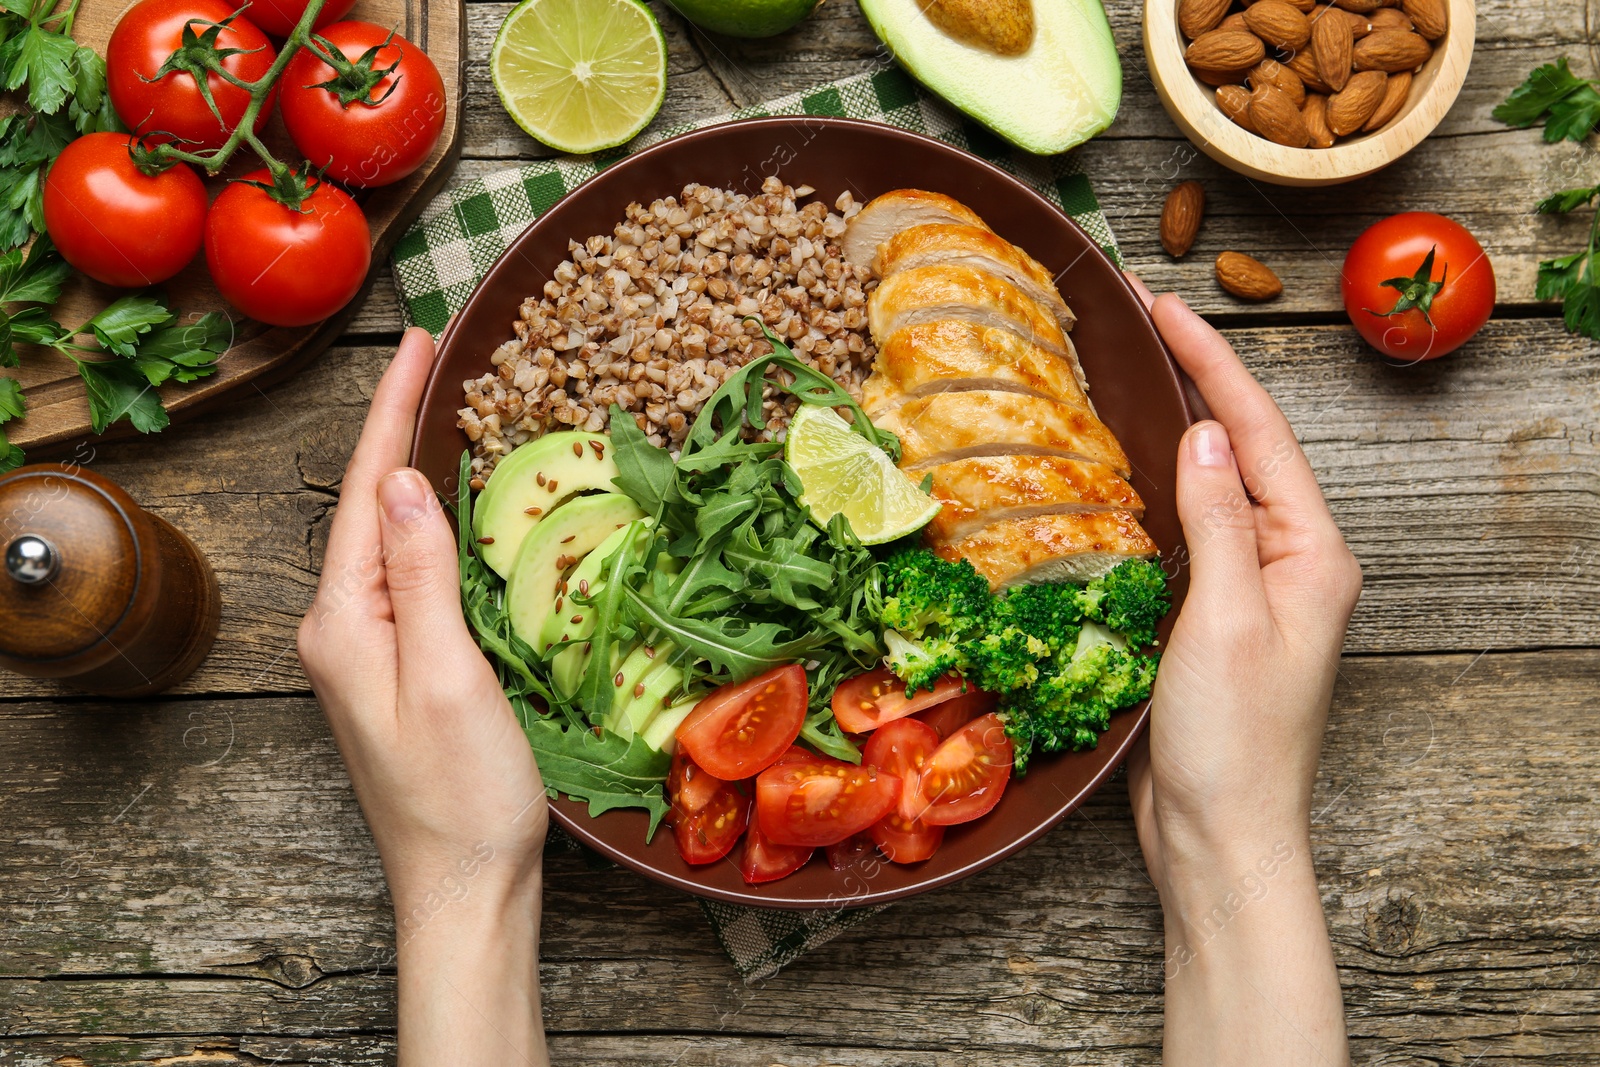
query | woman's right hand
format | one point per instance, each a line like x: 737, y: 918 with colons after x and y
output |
x: 1221, y: 785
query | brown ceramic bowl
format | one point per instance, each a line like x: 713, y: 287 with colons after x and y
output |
x: 1136, y: 389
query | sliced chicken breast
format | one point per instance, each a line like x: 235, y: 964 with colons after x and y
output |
x: 950, y: 291
x: 1075, y: 547
x: 972, y: 246
x: 892, y: 212
x: 953, y: 354
x: 982, y: 490
x: 950, y: 426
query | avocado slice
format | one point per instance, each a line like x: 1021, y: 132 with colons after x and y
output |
x: 661, y: 734
x: 646, y: 682
x: 1060, y: 92
x: 529, y: 482
x: 552, y: 548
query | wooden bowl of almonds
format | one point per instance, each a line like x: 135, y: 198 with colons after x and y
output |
x: 1308, y: 92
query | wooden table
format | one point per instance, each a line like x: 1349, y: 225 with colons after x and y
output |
x: 189, y: 880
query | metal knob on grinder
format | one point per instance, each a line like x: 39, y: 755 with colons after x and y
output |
x: 98, y: 592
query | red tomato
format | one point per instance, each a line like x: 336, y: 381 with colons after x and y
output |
x: 1442, y: 289
x: 380, y: 137
x: 869, y: 700
x: 967, y: 773
x: 279, y: 17
x: 739, y: 730
x: 844, y: 854
x: 904, y: 748
x: 708, y: 815
x: 116, y: 223
x: 282, y: 266
x: 172, y: 105
x: 766, y: 861
x: 955, y: 713
x: 821, y: 801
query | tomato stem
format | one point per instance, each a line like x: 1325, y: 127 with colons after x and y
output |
x: 260, y: 91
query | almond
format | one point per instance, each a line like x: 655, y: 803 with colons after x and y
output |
x: 1197, y: 16
x: 1271, y: 72
x: 1315, y: 113
x: 1360, y: 25
x: 1359, y: 6
x: 1395, y: 91
x: 1390, y: 18
x: 1278, y: 24
x: 1180, y: 217
x: 1390, y: 51
x: 1351, y: 107
x: 1430, y: 17
x: 1247, y: 278
x: 1234, y: 101
x: 1276, y: 118
x: 1003, y: 26
x: 1304, y: 67
x: 1235, y: 21
x: 1224, y: 52
x: 1332, y: 44
x: 1302, y: 6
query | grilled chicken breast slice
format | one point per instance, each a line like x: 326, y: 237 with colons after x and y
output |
x: 982, y: 490
x: 901, y: 209
x: 977, y: 247
x: 1076, y: 547
x: 952, y: 354
x: 950, y: 426
x: 951, y: 291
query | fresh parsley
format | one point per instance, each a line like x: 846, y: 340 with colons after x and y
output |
x: 1569, y: 107
x: 12, y: 406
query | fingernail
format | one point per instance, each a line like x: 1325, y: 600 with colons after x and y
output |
x: 1208, y: 443
x: 403, y: 495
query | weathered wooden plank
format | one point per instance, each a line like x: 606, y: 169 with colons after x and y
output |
x: 1469, y: 488
x: 1457, y: 881
x: 1473, y: 168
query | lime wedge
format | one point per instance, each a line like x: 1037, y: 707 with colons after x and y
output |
x: 580, y: 75
x: 842, y: 472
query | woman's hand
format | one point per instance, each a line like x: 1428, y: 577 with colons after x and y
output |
x: 443, y: 772
x: 1221, y: 787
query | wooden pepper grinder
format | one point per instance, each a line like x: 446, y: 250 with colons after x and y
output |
x: 97, y: 592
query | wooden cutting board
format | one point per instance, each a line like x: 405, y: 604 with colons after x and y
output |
x: 58, y: 414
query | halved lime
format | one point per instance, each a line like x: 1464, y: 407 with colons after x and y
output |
x: 842, y: 472
x: 580, y: 75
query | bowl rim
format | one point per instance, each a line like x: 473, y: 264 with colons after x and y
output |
x: 1200, y: 120
x: 571, y: 815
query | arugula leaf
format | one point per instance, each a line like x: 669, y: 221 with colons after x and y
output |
x: 117, y: 390
x: 1545, y: 87
x: 608, y: 771
x: 644, y: 472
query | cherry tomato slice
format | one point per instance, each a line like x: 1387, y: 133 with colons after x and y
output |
x: 956, y: 712
x: 906, y: 840
x: 869, y: 700
x: 967, y: 773
x: 821, y: 801
x: 739, y: 730
x: 765, y: 861
x: 708, y: 814
x: 845, y: 854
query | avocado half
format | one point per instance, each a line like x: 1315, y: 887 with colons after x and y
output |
x: 1059, y: 93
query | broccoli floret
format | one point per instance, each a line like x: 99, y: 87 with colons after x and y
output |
x: 1071, y: 704
x: 920, y: 664
x: 1131, y: 599
x: 1047, y: 612
x: 923, y: 594
x: 1005, y: 661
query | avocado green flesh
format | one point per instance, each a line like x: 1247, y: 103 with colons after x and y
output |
x: 632, y: 714
x: 661, y: 734
x: 501, y: 511
x: 563, y: 537
x: 567, y: 666
x: 1059, y: 93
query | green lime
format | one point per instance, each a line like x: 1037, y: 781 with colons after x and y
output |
x: 744, y: 18
x: 580, y: 75
x: 842, y: 472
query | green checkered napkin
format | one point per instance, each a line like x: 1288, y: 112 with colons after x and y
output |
x: 460, y: 235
